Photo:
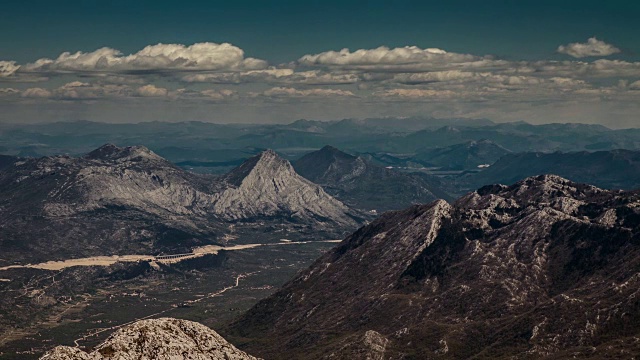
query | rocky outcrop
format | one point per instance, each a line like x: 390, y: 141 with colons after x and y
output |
x: 543, y: 268
x: 161, y: 339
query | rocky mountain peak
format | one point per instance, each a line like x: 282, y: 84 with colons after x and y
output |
x: 267, y: 184
x: 267, y: 163
x: 164, y: 338
x: 541, y: 189
x: 111, y: 152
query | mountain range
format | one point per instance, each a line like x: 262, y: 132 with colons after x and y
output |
x: 544, y: 268
x: 130, y: 200
x: 206, y: 142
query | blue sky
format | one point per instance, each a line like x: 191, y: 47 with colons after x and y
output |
x: 280, y: 33
x: 281, y: 30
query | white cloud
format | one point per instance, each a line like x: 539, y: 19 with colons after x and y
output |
x: 277, y: 76
x: 415, y: 93
x: 384, y: 55
x: 160, y: 57
x: 263, y: 75
x: 593, y: 47
x: 151, y: 91
x: 291, y: 92
x: 36, y: 93
x: 8, y: 91
x: 219, y: 94
x: 8, y: 68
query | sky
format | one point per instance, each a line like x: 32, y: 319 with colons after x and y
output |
x: 278, y: 61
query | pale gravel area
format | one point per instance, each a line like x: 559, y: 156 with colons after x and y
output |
x: 110, y: 260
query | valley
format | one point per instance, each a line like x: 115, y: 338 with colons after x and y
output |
x: 212, y: 291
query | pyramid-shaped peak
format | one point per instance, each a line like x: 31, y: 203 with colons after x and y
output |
x: 267, y: 162
x: 113, y: 152
x: 271, y: 159
x: 269, y: 154
x: 331, y: 149
x: 333, y: 152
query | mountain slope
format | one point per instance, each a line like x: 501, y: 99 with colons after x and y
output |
x: 7, y: 160
x: 463, y: 156
x: 364, y: 185
x: 130, y: 200
x: 164, y: 338
x: 615, y: 169
x: 545, y: 267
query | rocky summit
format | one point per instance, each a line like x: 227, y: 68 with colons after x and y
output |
x: 161, y: 339
x: 545, y: 268
x: 267, y: 185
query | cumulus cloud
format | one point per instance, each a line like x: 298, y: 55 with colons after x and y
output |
x: 151, y: 91
x: 402, y: 58
x: 36, y: 93
x: 160, y: 57
x: 275, y: 76
x: 593, y: 47
x: 219, y: 94
x: 265, y: 75
x: 8, y: 91
x: 415, y: 93
x: 292, y: 92
x: 392, y: 77
x: 383, y: 55
x: 8, y: 68
x: 77, y: 90
x: 457, y: 76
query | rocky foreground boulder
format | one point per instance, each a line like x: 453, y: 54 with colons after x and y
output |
x: 160, y: 339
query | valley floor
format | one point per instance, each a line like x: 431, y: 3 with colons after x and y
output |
x: 96, y: 300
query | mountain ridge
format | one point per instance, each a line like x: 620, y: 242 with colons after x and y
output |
x: 151, y: 201
x: 359, y: 182
x: 481, y: 278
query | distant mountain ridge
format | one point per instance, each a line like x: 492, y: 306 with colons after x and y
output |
x: 468, y: 155
x: 363, y: 184
x: 615, y: 169
x: 207, y: 142
x: 545, y: 268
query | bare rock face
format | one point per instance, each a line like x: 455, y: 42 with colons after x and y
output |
x: 545, y: 268
x: 164, y: 338
x: 267, y: 185
x: 368, y: 346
